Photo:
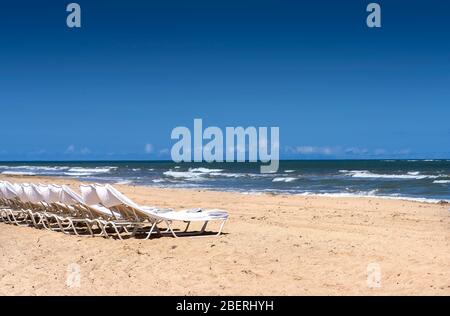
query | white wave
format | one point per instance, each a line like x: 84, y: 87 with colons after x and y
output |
x: 158, y: 180
x: 363, y: 194
x: 205, y: 170
x: 91, y: 170
x: 347, y: 171
x: 227, y: 175
x: 18, y: 173
x: 441, y: 181
x: 123, y: 182
x: 191, y: 176
x: 289, y: 171
x: 77, y: 174
x: 34, y: 168
x: 368, y: 174
x: 251, y: 193
x: 177, y: 167
x: 282, y: 179
x: 136, y: 169
x: 201, y: 174
x: 414, y: 173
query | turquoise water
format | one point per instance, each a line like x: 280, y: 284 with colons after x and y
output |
x: 413, y: 179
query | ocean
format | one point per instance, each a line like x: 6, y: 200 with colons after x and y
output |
x: 421, y: 180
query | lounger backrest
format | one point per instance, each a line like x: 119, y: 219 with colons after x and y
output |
x: 31, y: 193
x: 21, y: 192
x: 69, y: 197
x: 9, y: 191
x: 3, y: 194
x: 121, y: 197
x: 89, y: 195
x: 8, y: 194
x: 55, y: 192
x: 110, y: 197
x: 46, y: 195
x: 2, y: 186
x: 106, y: 198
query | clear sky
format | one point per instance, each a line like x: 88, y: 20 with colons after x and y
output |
x: 115, y: 88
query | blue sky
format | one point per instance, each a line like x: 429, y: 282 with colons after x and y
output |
x: 115, y: 88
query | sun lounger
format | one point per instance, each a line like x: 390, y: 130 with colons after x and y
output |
x: 113, y: 199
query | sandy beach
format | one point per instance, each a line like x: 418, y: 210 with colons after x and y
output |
x: 272, y: 245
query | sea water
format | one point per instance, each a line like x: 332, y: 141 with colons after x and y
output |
x: 422, y: 180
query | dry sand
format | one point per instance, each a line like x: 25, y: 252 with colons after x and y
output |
x: 273, y: 245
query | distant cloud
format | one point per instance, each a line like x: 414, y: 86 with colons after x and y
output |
x: 39, y: 152
x: 404, y: 151
x: 85, y: 151
x: 380, y: 152
x: 148, y: 148
x: 72, y: 150
x: 356, y: 151
x: 311, y: 150
x: 339, y: 151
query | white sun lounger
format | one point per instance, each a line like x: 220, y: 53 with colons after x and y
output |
x: 44, y: 206
x: 41, y: 201
x: 100, y: 206
x: 15, y: 211
x: 113, y: 199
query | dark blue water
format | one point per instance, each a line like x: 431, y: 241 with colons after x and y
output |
x: 416, y: 179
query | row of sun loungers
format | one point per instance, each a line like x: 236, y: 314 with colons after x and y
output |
x: 98, y: 210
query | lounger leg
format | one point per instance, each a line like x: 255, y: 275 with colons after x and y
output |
x: 63, y: 229
x: 16, y: 221
x: 218, y: 233
x: 221, y: 227
x: 202, y: 230
x: 203, y: 227
x: 39, y: 222
x: 135, y: 229
x: 100, y: 225
x: 74, y: 229
x: 171, y: 230
x: 3, y: 215
x: 168, y: 229
x: 33, y: 219
x: 154, y: 227
x: 117, y: 231
x: 8, y: 219
x: 46, y: 222
x: 187, y: 226
x: 42, y: 218
x: 88, y: 225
